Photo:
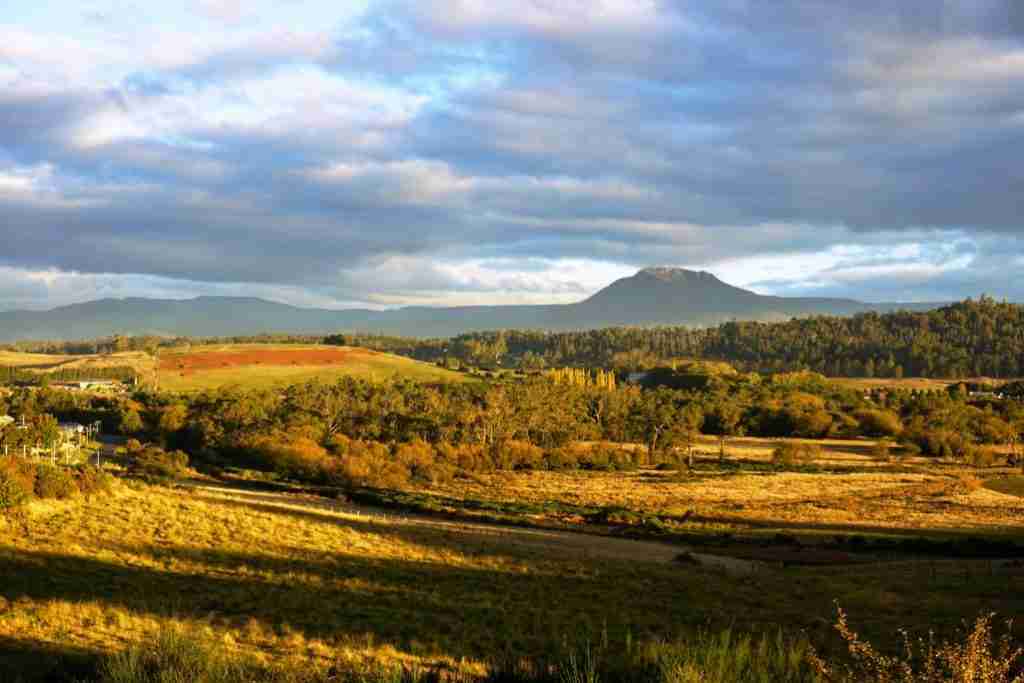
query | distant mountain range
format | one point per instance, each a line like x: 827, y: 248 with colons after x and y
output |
x: 654, y: 296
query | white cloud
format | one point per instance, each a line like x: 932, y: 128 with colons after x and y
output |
x: 563, y: 18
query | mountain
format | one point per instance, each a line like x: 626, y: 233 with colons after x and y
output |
x: 654, y: 296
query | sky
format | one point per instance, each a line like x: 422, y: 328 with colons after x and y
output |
x: 389, y: 152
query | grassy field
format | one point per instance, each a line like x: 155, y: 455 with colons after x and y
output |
x: 15, y: 359
x: 287, y: 577
x: 264, y: 365
x: 907, y: 383
x: 48, y: 363
x: 1010, y: 486
x: 246, y: 365
x: 759, y: 502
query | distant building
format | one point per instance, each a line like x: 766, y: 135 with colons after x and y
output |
x: 71, y: 428
x: 86, y: 384
x: 70, y: 432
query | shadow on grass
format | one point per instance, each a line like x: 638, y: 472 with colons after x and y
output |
x: 493, y: 519
x: 30, y: 660
x: 424, y: 608
x: 445, y: 607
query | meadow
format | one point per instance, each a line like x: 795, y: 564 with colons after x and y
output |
x: 310, y: 581
x: 247, y: 366
x: 361, y: 526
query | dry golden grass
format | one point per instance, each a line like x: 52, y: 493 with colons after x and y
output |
x: 879, y: 502
x: 141, y: 362
x: 19, y: 360
x: 907, y: 383
x: 285, y: 576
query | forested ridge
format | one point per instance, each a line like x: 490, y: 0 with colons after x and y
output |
x: 971, y: 338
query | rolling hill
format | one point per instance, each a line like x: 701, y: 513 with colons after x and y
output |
x: 653, y: 296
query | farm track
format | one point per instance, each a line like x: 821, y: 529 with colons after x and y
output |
x: 565, y: 544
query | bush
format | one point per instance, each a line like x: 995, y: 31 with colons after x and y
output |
x: 17, y: 483
x: 977, y: 657
x: 984, y: 456
x: 54, y: 482
x: 298, y: 458
x: 878, y: 423
x: 13, y: 492
x: 793, y: 452
x: 157, y: 464
x: 561, y: 459
x: 881, y: 451
x: 468, y: 457
x: 517, y: 455
x: 419, y: 458
x: 909, y: 449
x: 369, y: 463
x: 90, y: 479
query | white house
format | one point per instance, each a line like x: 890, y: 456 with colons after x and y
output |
x: 87, y: 385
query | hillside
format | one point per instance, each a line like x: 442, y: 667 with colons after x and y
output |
x: 654, y: 296
x: 261, y: 366
x: 966, y: 339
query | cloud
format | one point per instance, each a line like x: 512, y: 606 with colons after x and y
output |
x: 397, y: 151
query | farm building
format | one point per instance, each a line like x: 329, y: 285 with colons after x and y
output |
x: 87, y: 384
x: 71, y: 428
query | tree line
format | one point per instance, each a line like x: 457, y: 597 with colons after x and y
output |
x: 358, y: 432
x: 968, y: 339
x: 15, y: 375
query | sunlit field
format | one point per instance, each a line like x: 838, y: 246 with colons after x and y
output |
x: 265, y: 366
x: 285, y: 577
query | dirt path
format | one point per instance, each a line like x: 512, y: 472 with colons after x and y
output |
x: 550, y: 542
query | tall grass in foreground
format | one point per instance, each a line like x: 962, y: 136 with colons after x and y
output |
x: 176, y: 656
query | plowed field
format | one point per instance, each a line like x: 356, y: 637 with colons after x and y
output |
x: 200, y: 361
x: 263, y: 366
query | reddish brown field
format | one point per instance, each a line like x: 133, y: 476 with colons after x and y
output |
x: 199, y: 361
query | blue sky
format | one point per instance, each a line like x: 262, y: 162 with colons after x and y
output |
x: 394, y: 152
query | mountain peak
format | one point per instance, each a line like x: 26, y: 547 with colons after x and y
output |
x: 674, y: 274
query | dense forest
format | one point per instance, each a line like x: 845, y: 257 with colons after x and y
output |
x: 967, y: 339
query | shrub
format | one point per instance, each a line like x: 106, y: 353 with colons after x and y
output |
x: 561, y: 459
x: 17, y: 483
x: 13, y: 492
x: 418, y: 457
x: 468, y: 457
x: 984, y: 456
x: 793, y: 452
x: 90, y: 479
x: 156, y: 463
x: 881, y: 451
x: 909, y: 449
x: 298, y: 458
x: 369, y: 463
x: 878, y: 422
x: 54, y: 482
x: 517, y: 455
x: 977, y: 657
